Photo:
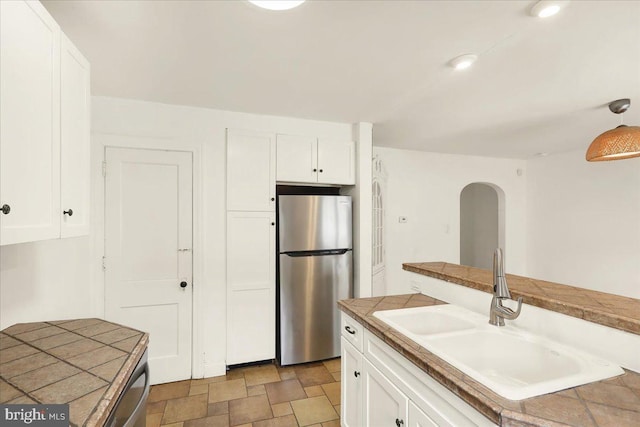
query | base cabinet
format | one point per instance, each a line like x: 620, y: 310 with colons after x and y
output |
x: 382, y: 388
x: 417, y: 418
x: 351, y: 378
x: 384, y: 404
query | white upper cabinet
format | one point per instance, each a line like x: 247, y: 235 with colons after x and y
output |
x: 297, y: 158
x: 29, y: 123
x: 251, y: 172
x: 75, y: 102
x: 44, y: 128
x: 336, y: 162
x: 311, y: 160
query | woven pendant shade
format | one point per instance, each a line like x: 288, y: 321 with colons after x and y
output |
x: 622, y: 142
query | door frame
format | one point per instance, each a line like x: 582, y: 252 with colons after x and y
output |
x: 99, y: 143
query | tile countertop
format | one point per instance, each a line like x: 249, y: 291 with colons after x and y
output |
x: 83, y: 362
x: 609, y: 403
x: 605, y: 309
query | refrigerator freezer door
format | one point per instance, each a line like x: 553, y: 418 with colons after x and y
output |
x: 310, y: 223
x: 309, y: 315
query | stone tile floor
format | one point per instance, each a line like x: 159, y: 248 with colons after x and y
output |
x: 257, y: 396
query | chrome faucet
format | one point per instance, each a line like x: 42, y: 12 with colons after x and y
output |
x: 498, y: 312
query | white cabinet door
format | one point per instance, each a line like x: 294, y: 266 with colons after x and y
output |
x: 417, y: 418
x: 75, y: 105
x: 251, y: 172
x: 251, y: 302
x: 29, y: 123
x: 384, y: 404
x: 297, y: 158
x: 351, y: 393
x: 336, y: 162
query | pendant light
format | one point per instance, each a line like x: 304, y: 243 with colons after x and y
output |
x: 622, y: 142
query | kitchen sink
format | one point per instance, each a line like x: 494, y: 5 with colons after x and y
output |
x: 430, y: 320
x: 511, y: 362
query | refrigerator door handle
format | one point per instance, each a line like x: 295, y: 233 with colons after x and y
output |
x: 317, y: 253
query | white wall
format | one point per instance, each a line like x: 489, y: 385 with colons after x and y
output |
x: 425, y: 187
x: 45, y: 280
x: 584, y: 222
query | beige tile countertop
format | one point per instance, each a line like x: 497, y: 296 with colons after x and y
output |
x: 605, y: 309
x: 84, y: 362
x: 610, y: 403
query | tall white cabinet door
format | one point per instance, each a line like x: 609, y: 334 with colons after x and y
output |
x: 251, y: 301
x: 251, y: 171
x: 29, y: 123
x: 336, y: 162
x: 75, y: 105
x: 384, y: 404
x: 297, y: 158
x: 417, y: 418
x: 351, y: 378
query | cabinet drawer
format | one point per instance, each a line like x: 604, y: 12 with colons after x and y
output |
x: 352, y: 331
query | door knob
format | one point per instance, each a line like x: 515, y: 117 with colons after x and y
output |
x: 69, y: 212
x: 5, y: 209
x: 399, y: 422
x: 183, y: 284
x: 356, y: 374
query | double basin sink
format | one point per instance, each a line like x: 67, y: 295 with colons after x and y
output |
x: 511, y: 362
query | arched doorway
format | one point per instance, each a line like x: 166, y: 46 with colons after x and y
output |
x: 481, y: 224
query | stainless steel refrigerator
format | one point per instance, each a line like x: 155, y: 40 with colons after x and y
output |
x: 315, y: 271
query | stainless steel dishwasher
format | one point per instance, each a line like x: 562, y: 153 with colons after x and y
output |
x: 131, y: 408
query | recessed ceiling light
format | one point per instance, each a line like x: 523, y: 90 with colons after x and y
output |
x: 547, y: 8
x: 463, y: 62
x: 277, y: 4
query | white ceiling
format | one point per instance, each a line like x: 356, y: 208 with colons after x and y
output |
x: 539, y: 85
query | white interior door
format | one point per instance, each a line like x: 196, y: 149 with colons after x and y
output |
x: 148, y: 258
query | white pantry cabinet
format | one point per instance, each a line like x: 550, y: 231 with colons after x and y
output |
x: 251, y: 278
x: 390, y: 390
x: 251, y: 304
x: 308, y: 159
x: 44, y: 128
x: 251, y: 171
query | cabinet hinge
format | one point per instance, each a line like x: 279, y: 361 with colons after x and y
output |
x: 104, y: 168
x: 104, y: 263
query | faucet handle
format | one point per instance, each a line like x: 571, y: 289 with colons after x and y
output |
x: 506, y: 312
